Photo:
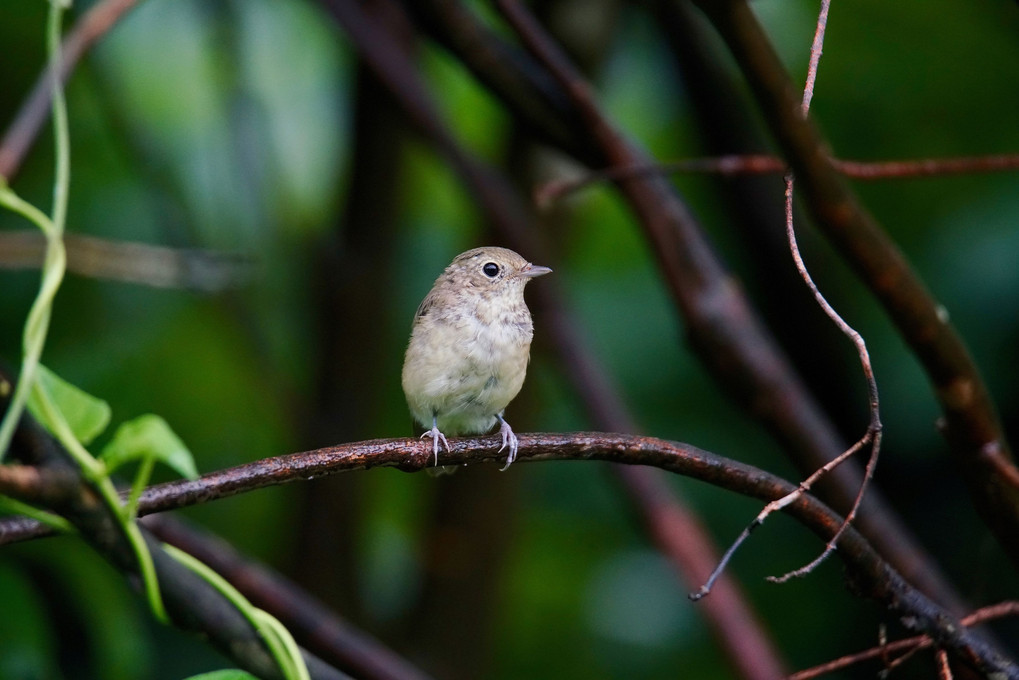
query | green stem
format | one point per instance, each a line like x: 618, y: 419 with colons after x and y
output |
x: 141, y: 480
x: 95, y: 472
x: 278, y: 639
x: 61, y: 133
x: 282, y: 644
x: 37, y: 324
x: 17, y: 507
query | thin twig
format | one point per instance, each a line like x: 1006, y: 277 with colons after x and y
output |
x: 815, y: 55
x: 883, y: 651
x: 736, y: 165
x: 882, y: 640
x: 909, y: 645
x: 944, y: 670
x: 873, y: 434
x: 550, y: 192
x: 927, y: 167
x: 776, y: 506
x: 709, y: 583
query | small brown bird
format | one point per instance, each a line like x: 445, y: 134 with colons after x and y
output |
x: 469, y: 347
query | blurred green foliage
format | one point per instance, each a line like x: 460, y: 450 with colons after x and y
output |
x: 227, y: 126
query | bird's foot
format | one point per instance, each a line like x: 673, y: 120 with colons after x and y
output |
x: 436, y: 436
x: 508, y: 439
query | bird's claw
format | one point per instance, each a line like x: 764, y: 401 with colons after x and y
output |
x: 436, y: 436
x: 508, y: 439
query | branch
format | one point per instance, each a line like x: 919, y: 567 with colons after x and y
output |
x: 873, y: 436
x: 317, y: 628
x: 739, y: 165
x: 130, y: 261
x: 927, y: 167
x: 970, y: 419
x: 192, y: 603
x: 37, y: 486
x: 511, y: 74
x: 871, y: 575
x: 908, y: 646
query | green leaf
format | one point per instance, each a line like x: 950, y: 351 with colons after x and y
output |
x: 88, y: 416
x: 226, y: 674
x: 149, y: 436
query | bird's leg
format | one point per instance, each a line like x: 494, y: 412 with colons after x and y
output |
x: 436, y: 436
x: 508, y: 438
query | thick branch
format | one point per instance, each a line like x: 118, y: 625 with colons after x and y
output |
x: 870, y: 574
x: 317, y: 628
x: 38, y: 486
x: 510, y: 73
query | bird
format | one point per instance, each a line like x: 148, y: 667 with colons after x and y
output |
x: 469, y: 347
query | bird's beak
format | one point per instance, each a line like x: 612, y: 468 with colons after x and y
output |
x: 531, y: 270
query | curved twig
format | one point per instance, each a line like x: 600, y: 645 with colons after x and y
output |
x: 872, y: 438
x: 761, y: 164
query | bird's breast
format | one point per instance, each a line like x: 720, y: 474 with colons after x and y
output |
x: 465, y: 367
x: 505, y: 338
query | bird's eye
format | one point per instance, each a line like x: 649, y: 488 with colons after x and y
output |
x: 491, y: 269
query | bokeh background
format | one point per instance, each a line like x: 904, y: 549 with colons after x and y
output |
x: 233, y: 128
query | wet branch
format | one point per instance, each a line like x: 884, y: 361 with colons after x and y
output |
x: 871, y: 575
